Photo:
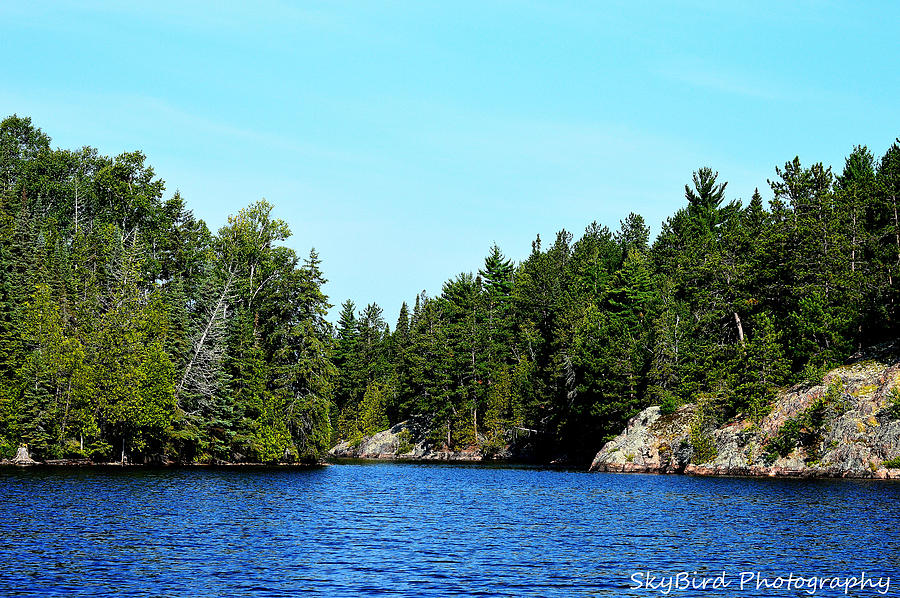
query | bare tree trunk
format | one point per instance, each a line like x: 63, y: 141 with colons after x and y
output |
x: 740, y: 328
x: 212, y: 318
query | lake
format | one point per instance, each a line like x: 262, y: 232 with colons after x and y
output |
x: 437, y: 530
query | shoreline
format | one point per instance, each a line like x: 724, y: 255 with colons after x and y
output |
x: 752, y: 472
x: 63, y: 463
x: 698, y: 471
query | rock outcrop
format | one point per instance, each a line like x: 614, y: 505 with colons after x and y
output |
x: 409, y: 440
x: 847, y: 426
x: 22, y: 457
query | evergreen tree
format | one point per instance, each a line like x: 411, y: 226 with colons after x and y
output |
x: 129, y: 331
x: 885, y: 241
x: 497, y: 284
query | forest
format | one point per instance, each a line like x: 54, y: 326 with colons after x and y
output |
x: 730, y: 302
x: 129, y: 331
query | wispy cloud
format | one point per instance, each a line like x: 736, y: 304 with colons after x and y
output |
x: 136, y: 114
x: 706, y: 75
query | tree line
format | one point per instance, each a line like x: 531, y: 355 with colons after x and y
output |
x: 129, y: 331
x: 730, y: 302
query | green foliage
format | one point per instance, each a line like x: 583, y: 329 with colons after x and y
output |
x: 702, y: 442
x: 128, y: 331
x: 372, y: 416
x: 893, y: 406
x: 730, y: 302
x: 892, y: 463
x: 404, y: 442
x: 785, y: 439
x: 813, y: 373
x: 808, y: 428
x: 668, y: 404
x: 756, y: 371
x: 704, y: 446
x: 504, y: 409
x: 7, y: 449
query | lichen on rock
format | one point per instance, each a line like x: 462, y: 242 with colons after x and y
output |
x: 408, y: 440
x: 847, y: 426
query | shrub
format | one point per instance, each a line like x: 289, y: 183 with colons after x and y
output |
x: 703, y: 444
x: 7, y: 449
x: 668, y: 404
x: 814, y: 373
x: 808, y: 427
x: 99, y: 450
x: 785, y: 440
x: 705, y: 418
x: 892, y: 463
x: 372, y: 416
x: 404, y: 444
x: 760, y: 405
x: 893, y: 406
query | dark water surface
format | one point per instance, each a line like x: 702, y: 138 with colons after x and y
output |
x: 431, y: 530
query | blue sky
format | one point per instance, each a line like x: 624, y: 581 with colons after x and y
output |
x: 402, y: 139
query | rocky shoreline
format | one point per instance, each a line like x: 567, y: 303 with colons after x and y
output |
x: 408, y: 441
x: 848, y: 426
x: 752, y: 472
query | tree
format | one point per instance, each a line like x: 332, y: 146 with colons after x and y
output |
x: 885, y: 241
x: 762, y: 368
x: 132, y: 376
x: 128, y: 330
x: 812, y: 261
x: 633, y: 234
x: 372, y: 416
x: 854, y: 196
x: 20, y: 145
x: 705, y: 200
x: 497, y: 280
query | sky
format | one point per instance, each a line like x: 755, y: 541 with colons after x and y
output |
x: 403, y: 139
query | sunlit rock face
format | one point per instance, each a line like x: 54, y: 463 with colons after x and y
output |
x: 847, y: 426
x: 408, y: 440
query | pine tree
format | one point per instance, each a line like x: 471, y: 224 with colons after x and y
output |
x: 497, y: 282
x: 854, y: 197
x: 813, y: 262
x: 885, y: 243
x: 402, y: 405
x: 372, y: 416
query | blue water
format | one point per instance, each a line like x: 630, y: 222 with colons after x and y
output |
x: 431, y: 530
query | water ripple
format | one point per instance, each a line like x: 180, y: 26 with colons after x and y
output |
x: 416, y: 530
